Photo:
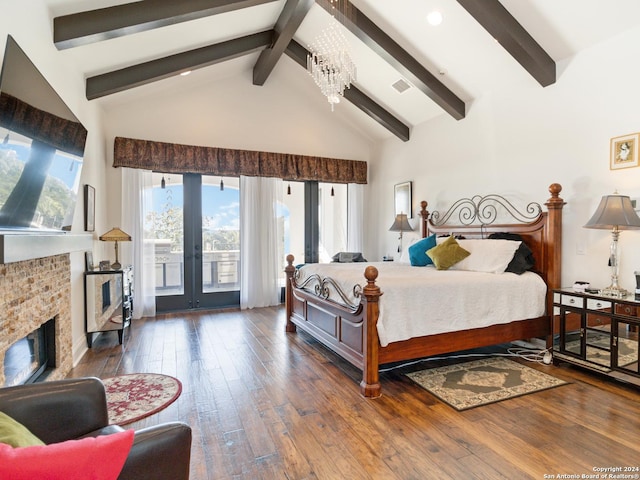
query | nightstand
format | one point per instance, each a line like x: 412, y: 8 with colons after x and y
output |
x: 597, y: 332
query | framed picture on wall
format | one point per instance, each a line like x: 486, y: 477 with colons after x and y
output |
x: 624, y: 151
x: 89, y: 208
x: 402, y: 199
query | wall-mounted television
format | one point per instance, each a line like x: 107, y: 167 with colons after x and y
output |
x: 41, y: 149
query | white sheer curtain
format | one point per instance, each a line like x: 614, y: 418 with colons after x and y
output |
x: 137, y: 202
x: 261, y: 241
x: 355, y: 217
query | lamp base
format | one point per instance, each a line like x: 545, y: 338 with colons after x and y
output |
x: 614, y: 291
x: 116, y: 266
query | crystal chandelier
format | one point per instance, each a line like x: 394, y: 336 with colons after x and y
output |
x: 329, y: 63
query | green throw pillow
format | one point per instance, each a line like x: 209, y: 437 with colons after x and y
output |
x: 447, y: 254
x: 15, y: 434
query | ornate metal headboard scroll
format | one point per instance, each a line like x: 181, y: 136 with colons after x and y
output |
x: 327, y: 288
x: 483, y: 210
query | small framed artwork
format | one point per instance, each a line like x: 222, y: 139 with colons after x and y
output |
x: 88, y: 261
x: 402, y: 199
x: 89, y: 208
x: 624, y: 151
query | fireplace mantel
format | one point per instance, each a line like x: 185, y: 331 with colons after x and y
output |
x: 19, y: 247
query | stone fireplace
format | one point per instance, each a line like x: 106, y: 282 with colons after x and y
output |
x: 32, y: 292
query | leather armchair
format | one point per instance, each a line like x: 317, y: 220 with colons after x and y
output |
x: 75, y: 408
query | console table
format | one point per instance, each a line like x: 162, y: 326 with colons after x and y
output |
x: 108, y: 301
x: 597, y: 332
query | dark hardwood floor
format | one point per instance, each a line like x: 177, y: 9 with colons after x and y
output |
x: 264, y: 404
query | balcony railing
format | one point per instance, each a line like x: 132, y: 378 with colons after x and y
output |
x: 220, y: 271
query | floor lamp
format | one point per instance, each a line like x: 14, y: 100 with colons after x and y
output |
x: 614, y: 213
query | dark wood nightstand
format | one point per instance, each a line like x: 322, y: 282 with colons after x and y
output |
x: 597, y: 332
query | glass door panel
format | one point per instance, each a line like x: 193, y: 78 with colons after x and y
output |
x: 626, y: 346
x: 598, y: 348
x: 572, y: 332
x: 166, y: 226
x: 220, y: 235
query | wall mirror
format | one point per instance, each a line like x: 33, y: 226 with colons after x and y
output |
x: 402, y: 198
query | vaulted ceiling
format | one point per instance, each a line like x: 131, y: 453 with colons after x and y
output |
x: 481, y: 46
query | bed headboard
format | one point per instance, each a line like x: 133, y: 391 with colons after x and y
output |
x: 474, y: 218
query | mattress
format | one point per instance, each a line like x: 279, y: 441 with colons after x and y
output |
x: 420, y: 301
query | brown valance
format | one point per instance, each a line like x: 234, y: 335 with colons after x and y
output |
x: 20, y: 117
x: 175, y: 158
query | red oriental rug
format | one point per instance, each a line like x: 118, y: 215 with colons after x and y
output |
x: 135, y: 396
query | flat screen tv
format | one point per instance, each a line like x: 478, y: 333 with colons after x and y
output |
x: 41, y: 150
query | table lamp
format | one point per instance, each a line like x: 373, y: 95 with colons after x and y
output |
x: 116, y: 235
x: 615, y: 212
x: 401, y: 224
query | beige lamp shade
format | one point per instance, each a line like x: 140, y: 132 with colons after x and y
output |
x: 614, y: 211
x: 115, y: 235
x: 401, y: 224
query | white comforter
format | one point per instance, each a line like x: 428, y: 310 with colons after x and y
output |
x: 420, y: 301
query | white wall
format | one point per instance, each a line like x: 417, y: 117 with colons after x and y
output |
x: 30, y: 25
x: 518, y: 141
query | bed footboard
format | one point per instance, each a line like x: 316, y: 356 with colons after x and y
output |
x: 352, y: 334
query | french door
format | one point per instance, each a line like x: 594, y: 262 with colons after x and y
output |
x: 195, y: 226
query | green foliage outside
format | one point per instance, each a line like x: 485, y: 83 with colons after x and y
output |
x: 55, y: 201
x: 167, y: 225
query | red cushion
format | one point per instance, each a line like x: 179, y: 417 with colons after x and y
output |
x: 99, y: 458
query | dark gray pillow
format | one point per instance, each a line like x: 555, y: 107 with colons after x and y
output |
x: 522, y: 260
x: 348, y: 257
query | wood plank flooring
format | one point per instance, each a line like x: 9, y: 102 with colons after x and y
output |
x: 264, y: 404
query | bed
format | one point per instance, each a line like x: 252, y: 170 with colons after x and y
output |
x: 346, y: 320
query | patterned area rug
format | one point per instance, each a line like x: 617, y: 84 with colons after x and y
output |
x: 480, y: 382
x: 138, y: 395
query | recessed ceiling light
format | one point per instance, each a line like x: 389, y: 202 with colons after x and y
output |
x: 434, y: 18
x: 184, y: 74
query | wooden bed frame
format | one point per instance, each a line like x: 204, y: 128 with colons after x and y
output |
x: 352, y: 332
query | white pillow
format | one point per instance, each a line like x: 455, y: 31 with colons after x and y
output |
x: 491, y: 256
x: 407, y: 241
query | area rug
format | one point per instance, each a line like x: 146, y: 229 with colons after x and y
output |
x: 480, y: 382
x: 135, y: 396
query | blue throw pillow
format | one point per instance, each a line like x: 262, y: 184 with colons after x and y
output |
x: 418, y: 252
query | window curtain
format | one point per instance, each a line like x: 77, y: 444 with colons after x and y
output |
x: 355, y: 217
x: 137, y: 202
x: 261, y: 241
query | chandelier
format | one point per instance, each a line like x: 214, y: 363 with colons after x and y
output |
x: 329, y: 63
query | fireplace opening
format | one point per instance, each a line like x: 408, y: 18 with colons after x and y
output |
x: 32, y: 357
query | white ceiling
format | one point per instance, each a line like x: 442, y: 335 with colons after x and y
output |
x: 459, y: 51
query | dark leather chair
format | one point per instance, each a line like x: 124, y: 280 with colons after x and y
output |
x: 75, y: 408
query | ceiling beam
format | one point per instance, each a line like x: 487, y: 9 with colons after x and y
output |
x: 513, y: 37
x: 290, y: 19
x: 147, y: 72
x: 381, y: 43
x: 111, y: 22
x: 357, y: 97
